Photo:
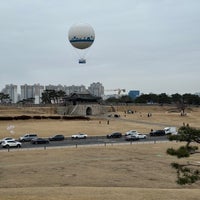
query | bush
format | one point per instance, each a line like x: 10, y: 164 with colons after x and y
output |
x: 22, y: 117
x: 6, y: 118
x: 37, y: 117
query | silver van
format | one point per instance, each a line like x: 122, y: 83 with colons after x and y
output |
x: 28, y: 137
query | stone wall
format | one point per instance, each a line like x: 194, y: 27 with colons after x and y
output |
x: 82, y: 109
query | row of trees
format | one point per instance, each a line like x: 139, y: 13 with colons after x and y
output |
x: 162, y: 98
x: 53, y: 96
x: 48, y: 97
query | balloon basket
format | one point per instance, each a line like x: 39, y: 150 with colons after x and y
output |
x: 82, y: 61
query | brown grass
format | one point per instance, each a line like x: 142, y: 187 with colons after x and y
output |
x: 138, y: 171
x: 161, y: 117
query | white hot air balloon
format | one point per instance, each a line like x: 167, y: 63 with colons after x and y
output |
x: 81, y: 37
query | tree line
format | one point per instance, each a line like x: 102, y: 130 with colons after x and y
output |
x: 56, y: 97
x: 163, y: 98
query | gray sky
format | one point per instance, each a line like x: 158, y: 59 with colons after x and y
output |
x: 149, y: 45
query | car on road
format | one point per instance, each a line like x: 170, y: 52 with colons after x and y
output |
x: 57, y: 138
x: 114, y: 135
x: 141, y: 136
x: 10, y: 143
x: 170, y: 131
x: 131, y: 132
x: 135, y: 133
x: 131, y: 138
x: 28, y: 137
x: 157, y: 133
x: 7, y: 138
x: 39, y: 141
x: 79, y: 136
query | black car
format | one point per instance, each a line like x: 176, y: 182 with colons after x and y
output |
x: 157, y: 133
x: 57, y: 138
x: 39, y: 141
x: 114, y: 135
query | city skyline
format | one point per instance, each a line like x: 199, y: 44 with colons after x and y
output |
x: 35, y: 91
x: 49, y: 85
x: 149, y: 45
x: 107, y: 90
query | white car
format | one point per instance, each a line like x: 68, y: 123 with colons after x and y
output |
x: 6, y: 139
x: 131, y: 138
x: 170, y: 131
x: 10, y: 143
x: 79, y: 136
x: 136, y: 134
x: 141, y: 136
x: 131, y: 132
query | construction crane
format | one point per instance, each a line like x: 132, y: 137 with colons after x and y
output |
x: 118, y: 90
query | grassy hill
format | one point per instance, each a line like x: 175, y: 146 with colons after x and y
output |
x: 139, y: 171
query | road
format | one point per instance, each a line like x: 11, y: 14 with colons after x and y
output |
x: 95, y: 140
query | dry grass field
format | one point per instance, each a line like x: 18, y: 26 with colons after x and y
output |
x: 137, y: 171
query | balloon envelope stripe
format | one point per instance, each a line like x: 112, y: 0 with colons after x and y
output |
x: 82, y: 40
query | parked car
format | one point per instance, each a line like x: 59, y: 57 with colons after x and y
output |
x: 141, y: 136
x: 7, y: 138
x: 157, y: 133
x: 131, y: 138
x: 135, y: 133
x: 115, y: 135
x: 170, y: 131
x: 39, y: 141
x: 57, y: 138
x: 10, y: 143
x: 131, y: 132
x: 28, y: 137
x: 79, y: 136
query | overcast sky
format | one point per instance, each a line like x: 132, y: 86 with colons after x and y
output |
x: 147, y: 45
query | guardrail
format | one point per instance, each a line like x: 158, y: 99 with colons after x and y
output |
x: 103, y: 141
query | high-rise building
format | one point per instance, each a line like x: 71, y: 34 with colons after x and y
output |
x: 37, y: 91
x: 26, y: 91
x: 11, y: 90
x: 32, y: 91
x: 96, y: 89
x: 54, y: 87
x: 71, y: 89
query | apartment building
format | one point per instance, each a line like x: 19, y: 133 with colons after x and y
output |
x: 11, y: 90
x: 96, y: 89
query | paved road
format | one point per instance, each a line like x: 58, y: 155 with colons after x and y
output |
x: 96, y: 140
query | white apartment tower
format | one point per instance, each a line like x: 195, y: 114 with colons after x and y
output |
x: 71, y: 89
x: 11, y: 90
x: 96, y: 89
x: 32, y: 91
x: 54, y: 87
x: 26, y: 91
x: 37, y: 91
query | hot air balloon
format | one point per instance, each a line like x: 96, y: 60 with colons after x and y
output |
x: 81, y: 37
